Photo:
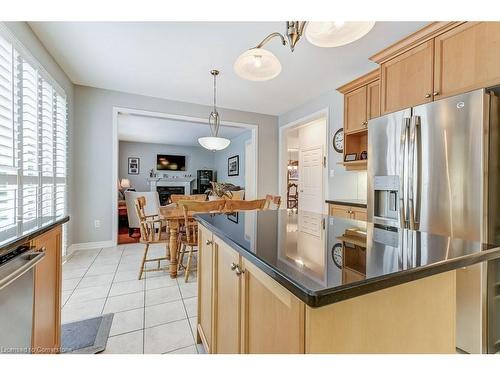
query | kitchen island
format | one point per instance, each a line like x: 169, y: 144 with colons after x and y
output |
x: 282, y: 282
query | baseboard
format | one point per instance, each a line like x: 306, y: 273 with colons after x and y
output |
x: 89, y: 245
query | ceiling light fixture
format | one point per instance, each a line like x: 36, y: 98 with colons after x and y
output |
x: 259, y: 64
x: 214, y: 143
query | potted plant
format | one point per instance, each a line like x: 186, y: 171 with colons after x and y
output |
x: 219, y: 191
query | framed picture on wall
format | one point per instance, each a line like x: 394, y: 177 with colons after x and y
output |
x: 233, y: 165
x: 133, y: 165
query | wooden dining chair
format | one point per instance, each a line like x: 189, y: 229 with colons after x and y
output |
x: 237, y: 205
x: 189, y: 239
x: 174, y: 198
x: 151, y: 228
x: 273, y: 202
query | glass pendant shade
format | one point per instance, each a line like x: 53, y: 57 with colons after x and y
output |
x: 214, y: 143
x: 334, y: 34
x: 257, y: 64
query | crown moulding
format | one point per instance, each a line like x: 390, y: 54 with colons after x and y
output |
x: 360, y: 81
x: 423, y: 35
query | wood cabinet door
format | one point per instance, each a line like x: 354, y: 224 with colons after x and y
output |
x: 272, y: 317
x: 355, y: 110
x: 373, y: 99
x: 407, y: 79
x: 226, y: 299
x: 47, y: 294
x: 205, y: 292
x: 359, y: 213
x: 340, y: 211
x: 466, y: 58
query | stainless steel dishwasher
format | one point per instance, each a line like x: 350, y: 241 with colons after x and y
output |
x: 16, y: 298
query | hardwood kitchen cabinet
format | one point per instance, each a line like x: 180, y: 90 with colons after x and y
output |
x: 272, y: 317
x: 226, y: 298
x: 467, y: 58
x: 407, y: 79
x: 355, y: 110
x: 373, y: 100
x: 46, y: 336
x: 205, y: 283
x: 347, y: 212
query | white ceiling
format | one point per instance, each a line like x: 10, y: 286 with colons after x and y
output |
x: 136, y: 128
x: 173, y: 59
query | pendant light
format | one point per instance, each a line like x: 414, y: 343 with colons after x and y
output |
x: 259, y: 64
x: 214, y: 143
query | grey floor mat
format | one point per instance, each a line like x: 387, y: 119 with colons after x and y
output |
x: 87, y: 336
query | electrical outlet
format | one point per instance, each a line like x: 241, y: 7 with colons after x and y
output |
x: 332, y: 172
x: 97, y: 224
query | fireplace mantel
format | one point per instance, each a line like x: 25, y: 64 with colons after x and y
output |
x: 186, y: 182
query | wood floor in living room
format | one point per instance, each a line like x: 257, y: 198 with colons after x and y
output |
x: 153, y: 315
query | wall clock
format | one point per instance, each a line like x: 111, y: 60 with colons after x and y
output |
x: 338, y: 141
x: 337, y: 255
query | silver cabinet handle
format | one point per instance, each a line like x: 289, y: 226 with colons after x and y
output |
x: 239, y: 271
x: 435, y: 93
x: 233, y: 266
x: 208, y: 242
x: 428, y: 95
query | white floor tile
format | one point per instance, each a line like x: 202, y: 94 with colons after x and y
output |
x: 187, y: 350
x: 128, y: 343
x: 98, y: 280
x: 126, y: 287
x: 65, y: 296
x: 100, y: 270
x: 70, y: 284
x: 87, y: 294
x: 168, y: 337
x: 126, y: 276
x: 188, y: 290
x: 124, y: 302
x: 162, y: 295
x: 132, y: 266
x: 191, y: 306
x: 127, y: 321
x: 73, y: 273
x: 82, y: 310
x: 164, y: 313
x: 105, y: 261
x: 193, y: 322
x: 159, y: 282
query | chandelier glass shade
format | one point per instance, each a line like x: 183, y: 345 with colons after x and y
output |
x: 214, y: 142
x: 257, y: 64
x: 336, y: 33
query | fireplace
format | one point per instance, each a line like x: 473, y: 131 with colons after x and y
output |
x: 164, y: 192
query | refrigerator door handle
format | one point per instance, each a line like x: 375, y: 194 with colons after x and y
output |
x: 413, y: 171
x: 402, y: 158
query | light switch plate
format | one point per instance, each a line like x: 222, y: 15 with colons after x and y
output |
x: 332, y: 172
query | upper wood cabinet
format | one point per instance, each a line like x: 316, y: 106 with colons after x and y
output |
x: 355, y: 110
x: 442, y: 59
x: 466, y: 58
x: 361, y: 101
x: 47, y: 294
x: 205, y: 284
x: 406, y: 80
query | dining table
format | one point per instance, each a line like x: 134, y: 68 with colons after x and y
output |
x: 174, y: 215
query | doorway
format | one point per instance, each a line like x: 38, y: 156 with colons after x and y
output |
x: 303, y: 162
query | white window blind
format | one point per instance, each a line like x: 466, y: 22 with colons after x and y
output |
x: 33, y: 145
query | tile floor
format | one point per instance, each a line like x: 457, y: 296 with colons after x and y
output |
x: 153, y: 315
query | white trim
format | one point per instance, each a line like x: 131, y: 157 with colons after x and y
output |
x: 114, y: 158
x: 89, y: 245
x: 322, y: 113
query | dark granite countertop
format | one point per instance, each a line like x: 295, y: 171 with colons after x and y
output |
x: 301, y: 252
x: 348, y: 202
x: 26, y: 230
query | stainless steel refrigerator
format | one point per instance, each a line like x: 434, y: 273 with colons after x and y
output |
x: 427, y: 170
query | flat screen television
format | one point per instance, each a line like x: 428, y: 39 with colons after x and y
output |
x: 170, y: 162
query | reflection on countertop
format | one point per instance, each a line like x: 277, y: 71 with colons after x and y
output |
x: 348, y: 202
x: 323, y: 259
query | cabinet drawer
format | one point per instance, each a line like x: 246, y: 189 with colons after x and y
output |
x: 343, y: 212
